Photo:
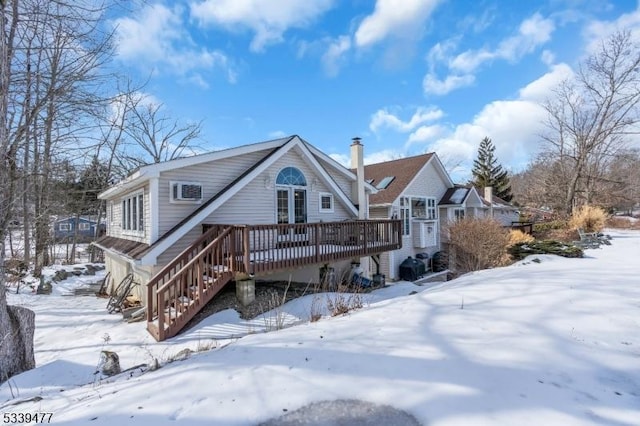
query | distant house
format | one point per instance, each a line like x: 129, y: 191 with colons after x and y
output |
x: 278, y: 210
x: 82, y: 229
x: 461, y: 201
x: 409, y: 189
x: 501, y: 210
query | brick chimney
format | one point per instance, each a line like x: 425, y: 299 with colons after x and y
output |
x: 357, y: 164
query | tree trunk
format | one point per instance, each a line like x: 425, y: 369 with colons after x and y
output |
x: 16, y: 324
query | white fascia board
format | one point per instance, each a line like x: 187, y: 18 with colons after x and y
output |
x: 339, y: 167
x: 130, y: 182
x: 218, y: 155
x: 154, y: 170
x: 150, y: 258
x: 325, y: 176
x: 442, y: 170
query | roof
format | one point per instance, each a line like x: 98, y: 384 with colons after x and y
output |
x: 132, y: 249
x: 73, y: 218
x: 404, y: 170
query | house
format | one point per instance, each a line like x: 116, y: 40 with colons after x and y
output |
x: 461, y: 201
x: 502, y: 211
x: 409, y: 189
x: 82, y: 229
x: 280, y: 209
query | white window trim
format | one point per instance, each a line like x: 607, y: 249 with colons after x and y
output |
x: 427, y: 208
x: 320, y: 208
x: 183, y: 182
x: 84, y: 226
x: 134, y: 196
x: 66, y: 225
x: 406, y: 218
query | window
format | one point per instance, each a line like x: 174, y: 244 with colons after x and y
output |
x: 405, y: 215
x: 291, y: 176
x: 424, y: 208
x: 133, y: 213
x: 432, y: 211
x: 326, y: 202
x: 84, y: 226
x: 458, y: 214
x: 64, y: 227
x: 419, y: 207
x: 185, y: 192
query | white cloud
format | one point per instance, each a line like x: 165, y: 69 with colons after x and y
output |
x: 384, y: 155
x: 157, y: 38
x: 424, y: 134
x: 434, y: 86
x: 383, y: 118
x: 395, y: 19
x: 333, y: 58
x: 539, y: 90
x: 268, y: 20
x: 547, y: 57
x: 277, y: 134
x: 533, y: 32
x: 596, y: 30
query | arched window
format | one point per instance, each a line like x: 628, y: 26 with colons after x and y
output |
x: 291, y: 176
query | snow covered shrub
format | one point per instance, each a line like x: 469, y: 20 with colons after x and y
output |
x: 589, y: 218
x: 521, y: 250
x: 475, y: 244
x: 516, y: 236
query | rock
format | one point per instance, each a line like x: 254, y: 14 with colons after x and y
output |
x: 76, y: 272
x: 44, y: 287
x: 60, y: 275
x: 17, y: 325
x: 110, y: 363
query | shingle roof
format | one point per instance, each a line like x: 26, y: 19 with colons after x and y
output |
x: 403, y: 169
x: 132, y: 249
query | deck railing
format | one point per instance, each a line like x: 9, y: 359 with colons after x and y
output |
x: 185, y: 285
x: 276, y: 247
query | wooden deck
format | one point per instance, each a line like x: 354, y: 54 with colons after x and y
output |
x: 225, y: 252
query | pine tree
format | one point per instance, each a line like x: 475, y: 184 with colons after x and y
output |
x: 488, y: 172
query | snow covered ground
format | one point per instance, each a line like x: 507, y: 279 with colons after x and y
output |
x: 548, y: 341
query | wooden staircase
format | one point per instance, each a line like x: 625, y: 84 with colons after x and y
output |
x: 180, y: 290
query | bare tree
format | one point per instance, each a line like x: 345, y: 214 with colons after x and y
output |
x: 17, y: 324
x: 590, y: 117
x: 152, y: 136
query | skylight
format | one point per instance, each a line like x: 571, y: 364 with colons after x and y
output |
x: 385, y: 182
x: 458, y: 195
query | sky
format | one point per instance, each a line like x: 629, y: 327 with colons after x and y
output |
x: 545, y: 341
x: 408, y: 77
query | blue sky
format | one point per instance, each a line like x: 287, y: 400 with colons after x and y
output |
x: 408, y: 76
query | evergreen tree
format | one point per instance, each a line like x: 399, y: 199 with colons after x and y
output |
x: 488, y: 172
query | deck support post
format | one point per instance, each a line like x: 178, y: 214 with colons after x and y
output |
x: 246, y: 291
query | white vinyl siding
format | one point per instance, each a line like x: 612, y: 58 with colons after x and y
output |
x: 256, y: 202
x: 428, y: 183
x: 213, y: 176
